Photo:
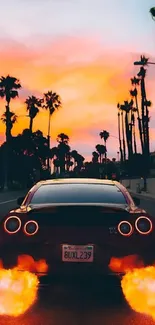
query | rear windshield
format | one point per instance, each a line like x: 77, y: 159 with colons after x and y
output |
x: 78, y: 193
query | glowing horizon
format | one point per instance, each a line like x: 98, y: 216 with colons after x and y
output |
x: 89, y: 68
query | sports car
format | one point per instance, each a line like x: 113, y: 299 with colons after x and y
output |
x: 77, y: 225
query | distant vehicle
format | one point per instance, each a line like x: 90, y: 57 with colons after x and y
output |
x: 77, y: 225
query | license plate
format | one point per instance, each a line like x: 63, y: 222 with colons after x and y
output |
x: 73, y: 253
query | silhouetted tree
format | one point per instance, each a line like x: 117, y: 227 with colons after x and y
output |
x: 101, y: 151
x: 105, y: 135
x: 9, y: 87
x: 33, y: 105
x: 95, y: 157
x: 127, y: 108
x: 52, y: 102
x: 122, y: 151
x: 134, y: 94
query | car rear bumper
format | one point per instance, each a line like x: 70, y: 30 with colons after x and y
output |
x: 52, y: 255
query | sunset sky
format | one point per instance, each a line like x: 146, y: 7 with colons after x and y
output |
x: 84, y: 50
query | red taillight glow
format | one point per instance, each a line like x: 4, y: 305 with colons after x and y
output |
x: 148, y: 222
x: 9, y: 224
x: 129, y: 230
x: 31, y: 228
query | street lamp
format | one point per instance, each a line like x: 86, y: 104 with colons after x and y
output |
x: 152, y: 12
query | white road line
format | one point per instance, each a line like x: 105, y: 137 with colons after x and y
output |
x: 4, y: 202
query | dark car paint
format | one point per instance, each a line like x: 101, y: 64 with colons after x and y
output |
x: 48, y: 243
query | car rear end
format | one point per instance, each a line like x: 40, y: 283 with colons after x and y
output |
x: 73, y: 239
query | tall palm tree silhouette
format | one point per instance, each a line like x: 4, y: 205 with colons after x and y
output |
x: 105, y: 135
x: 52, y: 102
x: 145, y: 104
x: 9, y: 87
x: 134, y: 94
x: 11, y: 116
x: 121, y: 123
x: 63, y: 150
x: 134, y: 129
x: 101, y: 149
x: 32, y: 105
x: 127, y: 108
x: 122, y: 151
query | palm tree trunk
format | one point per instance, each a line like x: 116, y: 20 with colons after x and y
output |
x: 48, y: 138
x: 143, y: 100
x: 143, y: 112
x: 127, y: 134
x: 123, y: 133
x: 105, y: 158
x: 135, y: 145
x: 31, y: 124
x: 139, y: 124
x: 119, y: 135
x: 8, y: 137
x: 147, y: 132
x: 130, y: 134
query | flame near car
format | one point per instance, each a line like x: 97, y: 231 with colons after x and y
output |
x: 138, y: 283
x: 18, y: 289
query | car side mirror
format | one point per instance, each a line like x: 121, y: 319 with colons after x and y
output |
x: 136, y: 201
x: 20, y: 200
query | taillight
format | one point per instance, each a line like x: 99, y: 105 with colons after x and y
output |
x: 125, y: 228
x: 12, y: 225
x: 143, y: 225
x: 31, y: 228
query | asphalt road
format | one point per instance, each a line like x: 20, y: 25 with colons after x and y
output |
x: 76, y: 305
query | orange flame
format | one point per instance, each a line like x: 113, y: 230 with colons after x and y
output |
x: 26, y: 262
x: 18, y: 290
x: 139, y: 290
x: 138, y: 283
x: 125, y: 264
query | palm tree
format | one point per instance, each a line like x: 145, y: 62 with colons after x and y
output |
x: 80, y: 160
x: 63, y: 138
x: 52, y: 103
x: 9, y: 87
x: 122, y: 152
x: 101, y: 149
x: 63, y: 150
x: 144, y: 106
x: 95, y: 157
x: 105, y: 135
x: 33, y: 104
x: 134, y: 131
x: 11, y: 117
x: 134, y: 94
x: 127, y: 107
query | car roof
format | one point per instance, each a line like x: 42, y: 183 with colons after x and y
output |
x: 77, y: 181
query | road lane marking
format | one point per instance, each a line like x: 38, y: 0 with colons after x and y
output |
x: 4, y: 202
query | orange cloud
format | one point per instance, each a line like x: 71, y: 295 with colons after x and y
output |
x: 89, y: 80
